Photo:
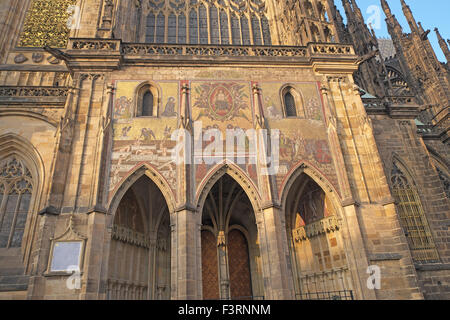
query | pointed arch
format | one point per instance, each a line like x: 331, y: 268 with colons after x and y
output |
x: 318, y: 237
x: 436, y: 156
x: 140, y: 243
x: 13, y: 145
x: 29, y: 113
x: 443, y: 172
x: 238, y: 175
x: 226, y: 210
x: 292, y: 101
x: 147, y: 92
x: 443, y: 169
x: 305, y: 167
x: 411, y: 213
x: 395, y: 158
x: 398, y: 82
x: 141, y: 170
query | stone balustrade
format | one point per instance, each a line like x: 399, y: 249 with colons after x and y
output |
x: 149, y: 49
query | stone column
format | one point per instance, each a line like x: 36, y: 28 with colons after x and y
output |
x: 92, y: 285
x: 277, y: 271
x: 185, y: 262
x: 224, y: 277
x: 358, y: 259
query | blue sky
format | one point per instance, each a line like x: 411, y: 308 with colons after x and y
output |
x: 431, y: 13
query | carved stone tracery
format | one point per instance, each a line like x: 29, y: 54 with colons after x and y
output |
x: 16, y: 187
x: 206, y: 22
x: 46, y: 24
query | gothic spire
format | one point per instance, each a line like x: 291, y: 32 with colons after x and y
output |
x: 443, y: 45
x: 409, y: 17
x: 357, y: 11
x: 394, y: 27
x: 348, y: 10
x: 386, y: 8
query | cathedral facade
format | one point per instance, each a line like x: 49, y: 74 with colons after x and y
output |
x: 221, y: 149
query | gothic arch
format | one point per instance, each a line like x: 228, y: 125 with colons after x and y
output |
x: 155, y: 90
x: 405, y: 168
x: 229, y: 214
x: 315, y: 175
x: 434, y: 154
x: 398, y: 81
x: 15, y: 145
x: 411, y: 213
x: 140, y: 245
x: 29, y: 113
x: 298, y: 99
x: 315, y: 243
x: 11, y: 143
x: 443, y: 172
x: 132, y: 177
x: 238, y: 175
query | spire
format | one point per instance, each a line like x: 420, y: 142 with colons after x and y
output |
x: 443, y: 45
x: 357, y: 11
x: 340, y: 26
x: 423, y: 34
x: 391, y: 20
x: 386, y: 8
x: 348, y: 10
x: 409, y: 17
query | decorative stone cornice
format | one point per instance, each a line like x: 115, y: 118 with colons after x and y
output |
x: 326, y: 225
x: 111, y: 54
x: 38, y: 95
x: 399, y: 107
x: 130, y: 236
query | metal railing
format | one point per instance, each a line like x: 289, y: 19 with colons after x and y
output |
x: 240, y: 298
x: 328, y: 295
x: 248, y: 298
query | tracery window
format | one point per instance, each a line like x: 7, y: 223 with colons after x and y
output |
x: 412, y: 217
x: 193, y: 27
x: 46, y: 23
x: 208, y: 23
x: 172, y: 29
x: 225, y: 38
x: 16, y: 188
x: 203, y: 25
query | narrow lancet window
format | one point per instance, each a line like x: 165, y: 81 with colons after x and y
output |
x: 147, y: 104
x: 289, y: 104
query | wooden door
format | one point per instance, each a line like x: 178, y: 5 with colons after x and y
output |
x: 239, y: 266
x: 210, y: 272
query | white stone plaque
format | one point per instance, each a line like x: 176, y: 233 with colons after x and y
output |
x: 66, y: 255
